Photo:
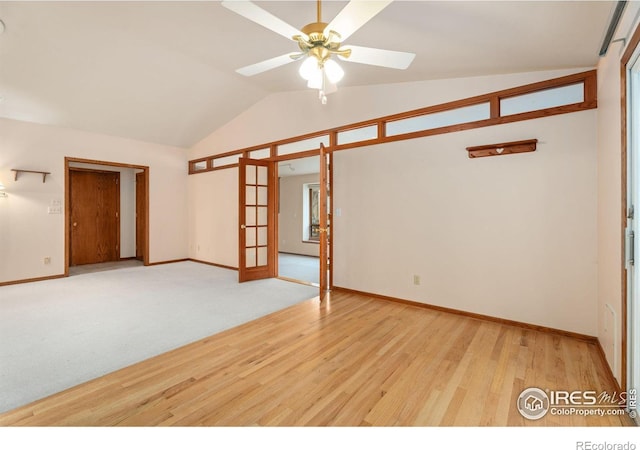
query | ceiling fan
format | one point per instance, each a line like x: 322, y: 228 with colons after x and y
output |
x: 319, y: 41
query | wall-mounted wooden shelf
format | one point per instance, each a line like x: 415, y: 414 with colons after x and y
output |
x: 505, y: 148
x: 18, y: 171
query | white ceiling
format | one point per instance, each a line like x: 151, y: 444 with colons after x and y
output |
x: 164, y: 71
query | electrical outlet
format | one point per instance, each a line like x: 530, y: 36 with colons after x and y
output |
x: 47, y: 259
x: 416, y: 280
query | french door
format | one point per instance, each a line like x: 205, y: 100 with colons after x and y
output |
x: 257, y: 258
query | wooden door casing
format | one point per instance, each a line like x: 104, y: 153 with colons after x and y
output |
x: 141, y: 215
x: 95, y: 216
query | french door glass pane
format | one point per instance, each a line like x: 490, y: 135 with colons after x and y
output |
x: 262, y: 256
x: 262, y: 176
x: 250, y: 257
x: 250, y: 195
x: 250, y: 216
x: 250, y: 239
x: 250, y: 175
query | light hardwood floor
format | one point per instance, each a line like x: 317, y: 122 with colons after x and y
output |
x: 351, y: 361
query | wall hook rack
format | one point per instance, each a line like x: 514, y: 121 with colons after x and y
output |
x: 506, y: 148
x: 18, y: 171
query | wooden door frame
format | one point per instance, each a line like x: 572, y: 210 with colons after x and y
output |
x: 67, y: 204
x: 144, y: 237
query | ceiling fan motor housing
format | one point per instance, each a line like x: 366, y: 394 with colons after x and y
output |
x: 318, y: 44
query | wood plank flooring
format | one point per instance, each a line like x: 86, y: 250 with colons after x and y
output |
x: 351, y: 361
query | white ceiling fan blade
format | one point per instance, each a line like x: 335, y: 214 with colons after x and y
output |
x: 258, y: 15
x: 354, y: 15
x: 378, y: 57
x: 263, y: 66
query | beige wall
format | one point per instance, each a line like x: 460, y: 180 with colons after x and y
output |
x: 278, y: 115
x: 513, y: 236
x: 291, y: 214
x: 213, y: 217
x: 28, y: 233
x: 609, y: 206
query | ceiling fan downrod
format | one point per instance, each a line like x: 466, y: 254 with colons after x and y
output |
x: 318, y: 44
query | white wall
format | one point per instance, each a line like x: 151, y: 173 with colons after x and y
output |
x: 610, y: 193
x: 28, y: 233
x: 512, y: 236
x: 291, y: 216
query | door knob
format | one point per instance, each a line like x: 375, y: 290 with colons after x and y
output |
x: 75, y: 224
x: 243, y: 226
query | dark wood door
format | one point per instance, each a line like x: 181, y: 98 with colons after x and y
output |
x: 141, y: 215
x: 95, y: 216
x: 257, y: 258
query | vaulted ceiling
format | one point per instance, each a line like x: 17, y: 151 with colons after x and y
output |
x: 164, y: 72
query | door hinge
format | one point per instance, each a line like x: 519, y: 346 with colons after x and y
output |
x: 630, y: 246
x: 117, y: 214
x: 630, y: 212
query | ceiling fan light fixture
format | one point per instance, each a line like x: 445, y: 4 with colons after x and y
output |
x: 319, y: 41
x: 315, y: 82
x: 309, y: 68
x: 333, y: 70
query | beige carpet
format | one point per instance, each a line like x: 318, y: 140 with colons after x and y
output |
x: 58, y: 333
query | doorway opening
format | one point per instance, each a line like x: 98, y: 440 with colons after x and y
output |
x: 260, y: 204
x: 106, y: 215
x: 299, y: 220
